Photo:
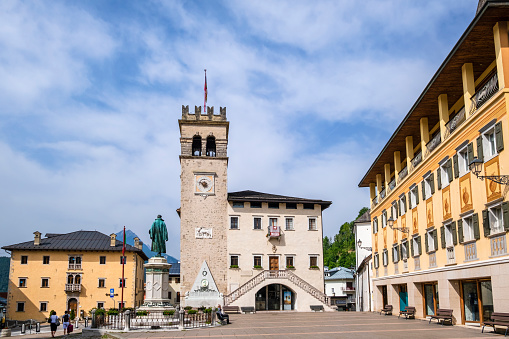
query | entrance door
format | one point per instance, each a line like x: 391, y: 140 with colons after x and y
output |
x: 274, y: 263
x: 477, y: 300
x: 431, y: 301
x: 384, y: 295
x: 73, y: 305
x: 403, y: 297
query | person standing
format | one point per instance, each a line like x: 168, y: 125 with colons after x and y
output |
x: 53, y: 319
x: 65, y: 322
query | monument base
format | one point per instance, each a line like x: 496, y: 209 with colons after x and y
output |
x: 156, y: 295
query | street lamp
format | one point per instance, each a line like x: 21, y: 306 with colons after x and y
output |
x: 475, y: 167
x: 359, y: 244
x: 390, y: 222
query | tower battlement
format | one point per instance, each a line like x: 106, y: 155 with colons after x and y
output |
x: 198, y: 115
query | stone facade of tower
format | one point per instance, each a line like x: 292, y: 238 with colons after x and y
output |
x: 203, y: 209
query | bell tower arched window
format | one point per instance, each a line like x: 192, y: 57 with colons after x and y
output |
x: 196, y: 145
x: 211, y: 146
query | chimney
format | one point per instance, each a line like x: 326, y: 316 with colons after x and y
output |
x: 37, y: 238
x: 113, y: 239
x: 141, y: 245
x: 137, y: 242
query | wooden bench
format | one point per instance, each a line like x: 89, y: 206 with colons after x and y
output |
x: 497, y: 319
x: 231, y: 309
x: 246, y: 309
x: 316, y: 308
x: 442, y: 313
x: 408, y: 312
x: 386, y: 310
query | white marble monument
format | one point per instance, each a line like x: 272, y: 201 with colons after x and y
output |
x: 204, y: 291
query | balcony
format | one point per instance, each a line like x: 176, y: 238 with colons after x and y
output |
x: 484, y: 94
x: 382, y: 193
x: 433, y: 144
x: 348, y: 288
x: 74, y: 266
x: 456, y: 121
x: 403, y: 173
x: 392, y: 184
x: 416, y: 160
x: 73, y: 287
x: 273, y: 232
x: 450, y: 255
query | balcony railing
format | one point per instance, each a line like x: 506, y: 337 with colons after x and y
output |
x: 433, y: 143
x: 450, y: 255
x: 416, y: 160
x: 348, y: 288
x: 403, y: 173
x: 484, y: 94
x: 392, y: 184
x: 498, y: 245
x: 73, y: 287
x: 457, y: 120
x: 74, y: 266
x: 382, y: 194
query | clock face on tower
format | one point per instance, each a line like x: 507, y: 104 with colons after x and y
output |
x: 204, y: 183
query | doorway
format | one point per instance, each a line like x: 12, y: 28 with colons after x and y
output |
x: 430, y: 296
x: 275, y: 297
x: 274, y: 263
x: 72, y: 304
x: 384, y: 295
x: 477, y: 300
x: 403, y: 297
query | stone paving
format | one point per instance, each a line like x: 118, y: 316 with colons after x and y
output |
x: 319, y: 325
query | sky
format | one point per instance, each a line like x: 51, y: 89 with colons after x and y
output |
x: 91, y: 93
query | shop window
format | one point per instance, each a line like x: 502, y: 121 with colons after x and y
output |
x: 43, y: 306
x: 102, y: 260
x: 20, y: 306
x: 45, y: 260
x: 234, y: 261
x: 312, y: 224
x: 430, y: 296
x: 234, y: 223
x: 22, y: 282
x: 44, y: 282
x: 24, y: 259
x: 257, y: 223
x: 289, y: 224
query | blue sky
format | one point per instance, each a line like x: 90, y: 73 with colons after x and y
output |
x: 90, y: 95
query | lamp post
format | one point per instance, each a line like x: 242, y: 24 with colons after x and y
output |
x: 359, y: 244
x: 390, y: 222
x: 475, y: 167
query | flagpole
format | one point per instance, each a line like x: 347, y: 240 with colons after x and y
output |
x: 123, y: 263
x: 205, y: 96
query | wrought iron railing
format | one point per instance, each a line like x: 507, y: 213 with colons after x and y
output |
x: 498, y: 245
x: 73, y: 287
x: 417, y: 159
x: 433, y: 143
x: 484, y: 94
x: 456, y: 121
x: 403, y: 173
x: 392, y: 184
x: 382, y: 193
x: 375, y: 200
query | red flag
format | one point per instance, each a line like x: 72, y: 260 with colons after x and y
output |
x: 123, y: 246
x: 205, y: 89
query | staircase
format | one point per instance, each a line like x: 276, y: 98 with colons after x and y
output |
x: 281, y: 274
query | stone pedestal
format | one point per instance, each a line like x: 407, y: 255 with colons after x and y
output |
x: 156, y: 287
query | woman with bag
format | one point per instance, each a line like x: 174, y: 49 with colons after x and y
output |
x: 54, y: 322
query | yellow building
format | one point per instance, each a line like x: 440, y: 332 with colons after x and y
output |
x: 72, y: 271
x: 447, y: 247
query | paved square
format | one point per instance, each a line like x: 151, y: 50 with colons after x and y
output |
x: 320, y: 325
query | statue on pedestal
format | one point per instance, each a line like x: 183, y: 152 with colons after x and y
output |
x: 159, y: 235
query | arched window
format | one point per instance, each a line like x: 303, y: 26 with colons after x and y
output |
x: 70, y: 279
x: 211, y: 146
x: 196, y: 145
x: 78, y: 260
x: 78, y: 279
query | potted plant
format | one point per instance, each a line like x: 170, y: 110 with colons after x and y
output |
x: 234, y: 266
x: 258, y: 267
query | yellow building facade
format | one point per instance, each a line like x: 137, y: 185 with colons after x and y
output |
x: 73, y: 271
x: 447, y: 247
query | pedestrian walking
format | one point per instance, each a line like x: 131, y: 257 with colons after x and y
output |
x: 65, y: 322
x: 54, y: 322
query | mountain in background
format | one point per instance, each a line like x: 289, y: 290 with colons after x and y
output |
x: 5, y: 263
x: 129, y: 239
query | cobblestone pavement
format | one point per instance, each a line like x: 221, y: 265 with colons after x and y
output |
x: 319, y: 325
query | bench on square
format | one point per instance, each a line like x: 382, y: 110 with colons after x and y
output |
x: 386, y: 310
x: 231, y: 309
x: 443, y: 314
x: 246, y: 309
x: 316, y: 308
x: 497, y: 319
x: 408, y: 312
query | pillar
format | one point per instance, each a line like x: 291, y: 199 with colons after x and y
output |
x: 387, y: 174
x: 443, y: 112
x: 372, y: 190
x: 397, y: 164
x: 378, y: 183
x: 500, y: 34
x: 424, y: 134
x: 467, y: 74
x: 449, y: 296
x: 409, y: 143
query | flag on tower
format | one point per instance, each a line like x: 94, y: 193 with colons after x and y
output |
x: 205, y: 89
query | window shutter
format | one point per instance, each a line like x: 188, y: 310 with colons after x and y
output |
x: 454, y: 234
x: 419, y: 247
x: 460, y: 231
x: 499, y: 137
x: 423, y: 191
x: 432, y: 183
x: 439, y: 178
x: 426, y: 245
x: 411, y: 248
x: 410, y: 200
x: 392, y: 212
x: 397, y: 210
x: 456, y: 166
x: 393, y: 256
x: 442, y: 236
x: 480, y: 154
x: 485, y: 224
x: 400, y: 251
x: 417, y: 196
x: 435, y: 238
x: 505, y: 215
x: 404, y: 203
x: 406, y: 244
x: 449, y: 169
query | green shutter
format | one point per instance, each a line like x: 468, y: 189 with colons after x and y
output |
x: 400, y: 251
x: 432, y: 182
x: 426, y: 245
x: 411, y: 248
x: 417, y: 196
x: 404, y: 203
x: 392, y: 255
x: 442, y: 236
x: 423, y: 191
x: 480, y: 154
x: 419, y: 247
x: 475, y: 222
x: 456, y: 166
x: 499, y: 138
x: 407, y: 254
x: 392, y: 213
x: 505, y: 215
x: 435, y: 238
x: 454, y: 234
x: 439, y: 178
x: 449, y: 169
x: 410, y: 200
x: 460, y: 231
x: 485, y: 224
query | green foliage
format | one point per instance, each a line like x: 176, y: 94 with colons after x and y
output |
x: 142, y: 313
x: 234, y: 266
x: 99, y: 311
x: 340, y: 251
x: 192, y: 311
x: 72, y: 315
x: 187, y: 308
x: 169, y: 312
x: 4, y: 273
x: 112, y: 311
x: 257, y: 267
x: 207, y: 310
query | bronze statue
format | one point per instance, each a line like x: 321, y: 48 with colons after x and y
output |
x: 159, y: 235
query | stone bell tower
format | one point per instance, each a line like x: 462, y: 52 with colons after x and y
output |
x: 203, y: 199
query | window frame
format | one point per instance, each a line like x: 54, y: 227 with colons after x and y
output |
x: 427, y: 187
x: 289, y: 227
x: 45, y: 279
x: 45, y: 303
x: 18, y: 303
x: 101, y: 260
x: 255, y: 218
x: 431, y: 240
x: 257, y: 261
x: 100, y: 304
x: 413, y: 197
x: 415, y: 247
x: 470, y: 228
x: 311, y: 221
x: 123, y: 259
x: 120, y: 282
x: 291, y: 206
x: 238, y: 204
x: 395, y: 253
x: 232, y: 218
x: 487, y: 143
x: 24, y: 260
x: 99, y: 282
x: 292, y: 259
x: 444, y: 174
x: 313, y: 257
x: 46, y: 260
x: 500, y: 219
x: 233, y: 258
x: 404, y: 253
x: 385, y: 257
x: 24, y: 280
x: 463, y: 162
x: 273, y: 205
x: 255, y: 204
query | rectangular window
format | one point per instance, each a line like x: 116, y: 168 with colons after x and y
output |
x: 170, y: 279
x: 257, y: 223
x: 22, y: 282
x: 375, y: 261
x: 384, y: 219
x: 313, y: 262
x: 44, y: 282
x: 395, y: 256
x: 394, y: 211
x: 415, y: 243
x: 431, y: 241
x: 291, y: 206
x: 24, y: 259
x: 375, y: 225
x: 274, y: 205
x: 385, y: 257
x: 255, y: 204
x: 427, y: 187
x: 234, y: 223
x: 468, y: 228
x: 169, y: 295
x: 177, y: 280
x: 448, y: 236
x: 404, y: 252
x: 402, y: 207
x: 120, y: 282
x: 45, y: 260
x: 463, y: 161
x: 123, y: 260
x: 489, y: 144
x: 444, y: 174
x: 257, y: 261
x: 102, y: 283
x: 121, y: 305
x: 289, y: 262
x: 20, y: 306
x: 238, y: 204
x: 289, y: 224
x: 102, y: 260
x: 495, y: 218
x: 272, y: 222
x: 234, y: 261
x: 312, y: 224
x: 100, y: 305
x: 414, y: 197
x: 309, y: 206
x: 43, y: 306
